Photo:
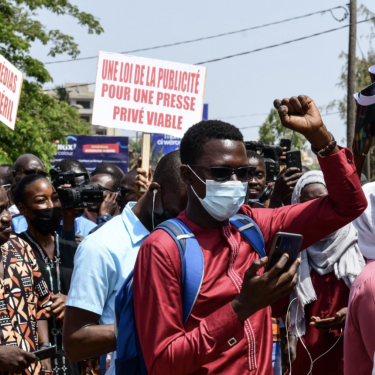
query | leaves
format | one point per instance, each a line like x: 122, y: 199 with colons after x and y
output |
x: 41, y: 119
x: 272, y: 131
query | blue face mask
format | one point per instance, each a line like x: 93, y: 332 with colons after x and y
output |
x: 223, y: 199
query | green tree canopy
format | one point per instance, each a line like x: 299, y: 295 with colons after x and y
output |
x: 272, y: 131
x: 41, y: 119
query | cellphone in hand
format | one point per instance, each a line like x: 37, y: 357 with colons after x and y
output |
x: 293, y: 159
x: 288, y: 243
x: 45, y: 353
x: 285, y: 142
x: 319, y: 320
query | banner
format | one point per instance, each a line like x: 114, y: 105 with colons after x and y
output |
x: 93, y: 150
x: 11, y: 80
x: 162, y: 144
x: 147, y: 95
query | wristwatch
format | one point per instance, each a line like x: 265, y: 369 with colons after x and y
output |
x: 326, y: 150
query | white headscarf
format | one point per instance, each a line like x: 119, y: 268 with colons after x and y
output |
x: 338, y: 253
x: 365, y: 224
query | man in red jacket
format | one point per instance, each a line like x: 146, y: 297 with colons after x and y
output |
x: 229, y: 328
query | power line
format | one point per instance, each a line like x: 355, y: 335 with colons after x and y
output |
x: 255, y: 50
x: 215, y: 36
x: 258, y: 126
x: 281, y: 44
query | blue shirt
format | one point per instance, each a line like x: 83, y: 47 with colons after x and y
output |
x: 103, y: 261
x: 83, y: 226
x: 19, y: 224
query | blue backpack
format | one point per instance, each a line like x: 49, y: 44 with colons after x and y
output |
x: 129, y: 358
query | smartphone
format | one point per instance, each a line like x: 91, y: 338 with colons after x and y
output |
x: 293, y: 159
x: 289, y: 243
x: 325, y: 320
x: 285, y: 142
x: 45, y: 353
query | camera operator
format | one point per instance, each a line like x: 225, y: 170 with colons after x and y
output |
x: 103, y: 212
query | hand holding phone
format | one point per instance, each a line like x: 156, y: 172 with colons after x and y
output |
x: 45, y: 353
x: 294, y: 159
x: 288, y: 243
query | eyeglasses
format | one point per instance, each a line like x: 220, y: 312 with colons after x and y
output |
x: 124, y: 192
x: 224, y: 174
x: 32, y: 171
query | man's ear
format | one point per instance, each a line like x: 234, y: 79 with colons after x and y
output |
x: 185, y: 174
x: 153, y: 186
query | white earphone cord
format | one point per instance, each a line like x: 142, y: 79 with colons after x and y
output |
x: 303, y: 344
x: 153, y: 207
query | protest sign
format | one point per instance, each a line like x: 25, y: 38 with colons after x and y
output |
x: 147, y: 95
x: 94, y: 150
x: 10, y: 91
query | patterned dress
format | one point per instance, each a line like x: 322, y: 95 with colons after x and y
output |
x: 24, y: 299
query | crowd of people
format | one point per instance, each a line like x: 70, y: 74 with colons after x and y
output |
x: 65, y: 264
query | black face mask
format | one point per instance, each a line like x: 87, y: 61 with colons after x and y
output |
x: 158, y: 219
x: 47, y: 220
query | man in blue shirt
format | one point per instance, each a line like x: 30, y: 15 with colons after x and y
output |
x: 105, y: 258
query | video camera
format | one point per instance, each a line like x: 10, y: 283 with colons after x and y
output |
x: 270, y: 154
x: 81, y: 196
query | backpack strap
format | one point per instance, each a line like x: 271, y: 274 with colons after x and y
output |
x: 192, y: 262
x: 250, y: 230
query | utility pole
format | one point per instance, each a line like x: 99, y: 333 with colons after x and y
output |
x: 351, y: 106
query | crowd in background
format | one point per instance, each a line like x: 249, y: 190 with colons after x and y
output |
x: 69, y: 240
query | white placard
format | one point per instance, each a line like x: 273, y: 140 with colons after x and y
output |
x: 10, y: 91
x: 147, y: 95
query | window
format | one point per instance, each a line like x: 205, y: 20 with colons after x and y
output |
x: 101, y: 131
x: 86, y: 104
x: 85, y: 117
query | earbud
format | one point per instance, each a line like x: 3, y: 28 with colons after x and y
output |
x: 155, y: 191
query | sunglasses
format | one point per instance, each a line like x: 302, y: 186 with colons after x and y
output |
x: 223, y: 174
x: 28, y: 172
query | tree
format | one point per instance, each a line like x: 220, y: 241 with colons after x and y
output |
x: 41, y: 119
x: 272, y: 131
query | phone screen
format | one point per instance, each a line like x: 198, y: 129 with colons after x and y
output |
x: 284, y: 243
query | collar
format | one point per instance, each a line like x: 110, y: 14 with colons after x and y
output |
x: 133, y: 225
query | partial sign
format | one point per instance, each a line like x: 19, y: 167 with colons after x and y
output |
x: 94, y: 150
x: 151, y: 96
x: 10, y: 91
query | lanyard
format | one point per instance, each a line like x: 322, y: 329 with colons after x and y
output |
x: 50, y: 262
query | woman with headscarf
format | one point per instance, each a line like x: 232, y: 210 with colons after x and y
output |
x: 359, y: 345
x: 327, y: 271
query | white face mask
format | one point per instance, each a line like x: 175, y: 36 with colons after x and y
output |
x: 223, y: 199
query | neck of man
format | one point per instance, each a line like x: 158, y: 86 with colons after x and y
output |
x: 143, y: 210
x: 196, y: 213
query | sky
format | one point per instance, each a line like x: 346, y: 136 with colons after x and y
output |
x: 239, y: 90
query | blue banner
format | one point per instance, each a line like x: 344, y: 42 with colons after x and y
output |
x: 92, y: 150
x: 161, y: 144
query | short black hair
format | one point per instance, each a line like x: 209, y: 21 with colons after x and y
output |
x: 198, y: 135
x: 167, y: 172
x: 115, y: 180
x: 19, y: 191
x: 251, y: 154
x: 108, y: 168
x: 71, y: 165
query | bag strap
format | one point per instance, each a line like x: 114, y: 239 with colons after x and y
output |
x: 192, y: 262
x: 250, y: 230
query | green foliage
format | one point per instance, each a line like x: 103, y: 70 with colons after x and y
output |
x: 272, y: 131
x: 41, y: 119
